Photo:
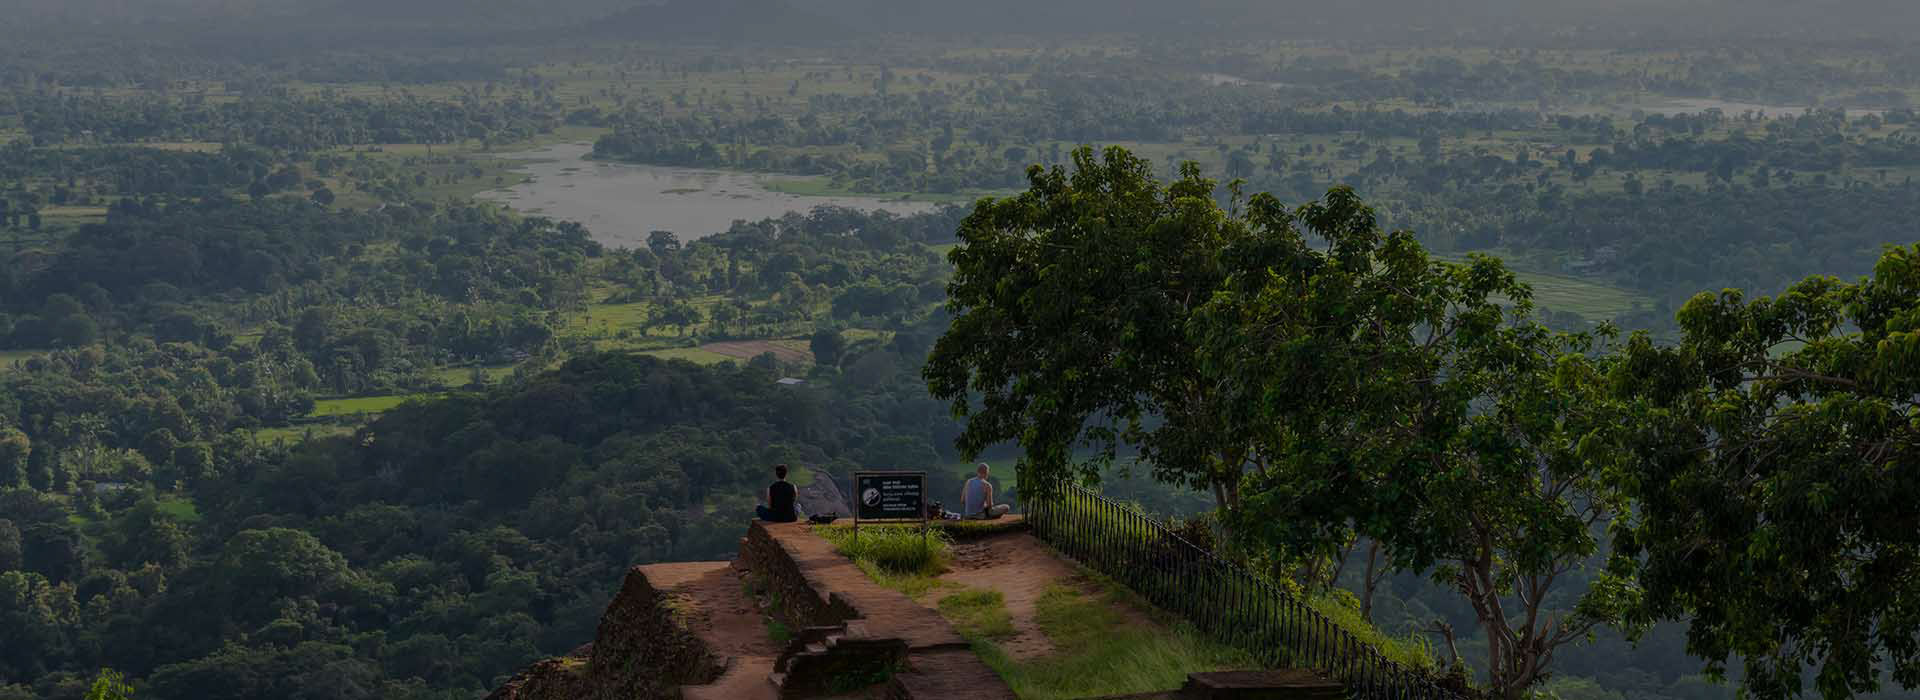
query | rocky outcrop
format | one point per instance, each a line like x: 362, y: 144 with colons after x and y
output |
x: 822, y: 497
x: 642, y: 650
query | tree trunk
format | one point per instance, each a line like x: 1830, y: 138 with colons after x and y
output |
x: 1371, y: 583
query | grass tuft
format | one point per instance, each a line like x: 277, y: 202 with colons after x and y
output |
x: 894, y: 556
x: 778, y: 632
x: 893, y: 549
x: 978, y: 614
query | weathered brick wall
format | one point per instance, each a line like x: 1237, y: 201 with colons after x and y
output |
x: 642, y: 651
x: 798, y: 602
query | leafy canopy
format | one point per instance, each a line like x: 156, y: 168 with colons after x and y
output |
x: 1070, y: 303
x: 1775, y: 475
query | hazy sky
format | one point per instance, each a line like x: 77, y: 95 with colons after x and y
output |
x: 1280, y: 18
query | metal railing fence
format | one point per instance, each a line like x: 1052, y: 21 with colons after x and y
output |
x: 1220, y: 598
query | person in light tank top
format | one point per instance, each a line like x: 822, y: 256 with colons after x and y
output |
x: 976, y: 497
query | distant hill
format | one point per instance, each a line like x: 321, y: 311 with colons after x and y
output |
x: 720, y: 20
x: 1372, y: 18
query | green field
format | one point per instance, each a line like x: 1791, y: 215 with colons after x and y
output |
x: 1593, y: 301
x: 363, y: 405
x: 1590, y: 299
x: 179, y: 508
x: 610, y: 318
x: 300, y: 433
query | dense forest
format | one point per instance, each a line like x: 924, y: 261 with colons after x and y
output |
x: 303, y: 392
x: 138, y: 483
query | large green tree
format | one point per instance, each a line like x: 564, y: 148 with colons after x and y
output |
x: 1776, y: 480
x: 1327, y: 379
x: 1070, y: 304
x: 1414, y: 402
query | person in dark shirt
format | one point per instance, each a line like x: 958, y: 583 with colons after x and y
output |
x: 779, y: 507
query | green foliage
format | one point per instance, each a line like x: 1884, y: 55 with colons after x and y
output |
x: 1394, y: 396
x: 827, y: 347
x: 110, y: 685
x: 1412, y: 650
x: 1070, y: 303
x: 1774, y: 487
x: 15, y: 449
x: 1360, y: 388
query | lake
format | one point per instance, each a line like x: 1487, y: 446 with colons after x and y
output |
x: 621, y: 203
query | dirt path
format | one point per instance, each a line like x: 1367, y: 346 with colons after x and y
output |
x: 1021, y: 568
x: 749, y: 349
x: 719, y: 611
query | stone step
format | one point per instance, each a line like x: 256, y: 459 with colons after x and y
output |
x: 1292, y: 684
x: 821, y: 632
x: 858, y: 645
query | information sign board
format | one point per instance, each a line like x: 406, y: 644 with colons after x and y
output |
x: 894, y: 496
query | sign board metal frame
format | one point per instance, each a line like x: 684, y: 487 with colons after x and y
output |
x: 859, y: 497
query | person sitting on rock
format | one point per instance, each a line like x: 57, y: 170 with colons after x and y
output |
x: 780, y: 506
x: 977, y: 497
